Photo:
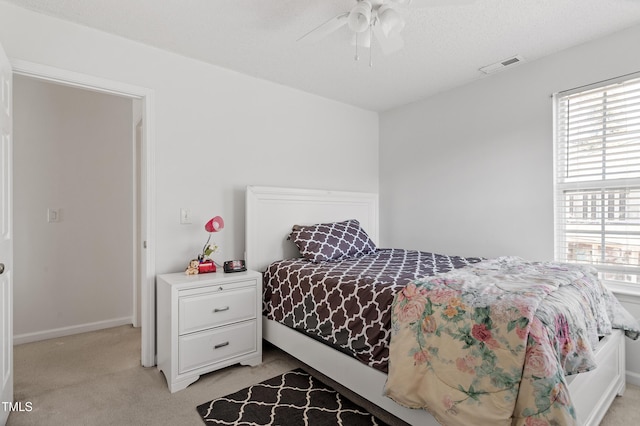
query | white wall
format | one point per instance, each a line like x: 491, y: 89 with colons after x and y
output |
x: 216, y: 130
x: 469, y: 171
x: 73, y: 153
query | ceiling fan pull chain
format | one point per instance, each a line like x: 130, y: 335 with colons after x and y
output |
x: 371, y: 46
x: 356, y: 58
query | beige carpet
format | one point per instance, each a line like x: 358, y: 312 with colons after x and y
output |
x: 96, y: 379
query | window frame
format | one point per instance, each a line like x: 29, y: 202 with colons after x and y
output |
x: 561, y: 187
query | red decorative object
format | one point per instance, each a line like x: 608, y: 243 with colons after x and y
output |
x: 206, y: 266
x: 214, y: 225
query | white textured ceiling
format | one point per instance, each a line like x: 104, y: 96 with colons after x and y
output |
x: 444, y: 45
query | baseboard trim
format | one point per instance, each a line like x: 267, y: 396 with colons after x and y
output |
x: 67, y: 331
x: 633, y: 378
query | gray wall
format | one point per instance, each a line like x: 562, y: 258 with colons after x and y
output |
x: 73, y: 152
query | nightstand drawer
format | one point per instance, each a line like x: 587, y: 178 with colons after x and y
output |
x: 208, y: 347
x: 207, y: 322
x: 214, y: 309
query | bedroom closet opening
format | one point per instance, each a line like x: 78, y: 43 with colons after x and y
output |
x: 77, y: 210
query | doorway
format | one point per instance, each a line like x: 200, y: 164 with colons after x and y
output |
x: 142, y: 240
x: 74, y: 177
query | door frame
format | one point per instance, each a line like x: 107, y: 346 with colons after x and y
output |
x: 147, y: 184
x: 6, y: 281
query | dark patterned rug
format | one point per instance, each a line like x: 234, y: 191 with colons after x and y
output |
x: 292, y: 399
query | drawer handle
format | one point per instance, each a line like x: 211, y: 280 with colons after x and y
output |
x: 226, y: 308
x: 221, y: 345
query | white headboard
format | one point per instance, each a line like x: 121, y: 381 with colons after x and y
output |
x: 271, y: 212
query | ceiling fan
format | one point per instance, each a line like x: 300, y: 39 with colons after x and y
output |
x: 374, y: 19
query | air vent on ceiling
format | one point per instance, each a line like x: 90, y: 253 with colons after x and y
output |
x: 499, y: 66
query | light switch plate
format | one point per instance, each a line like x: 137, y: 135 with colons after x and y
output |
x: 53, y: 215
x: 185, y: 216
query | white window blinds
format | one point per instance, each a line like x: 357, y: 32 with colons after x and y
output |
x: 597, y: 195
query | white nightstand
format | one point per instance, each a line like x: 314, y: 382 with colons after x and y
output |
x: 206, y: 322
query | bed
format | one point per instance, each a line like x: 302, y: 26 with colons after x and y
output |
x: 271, y: 212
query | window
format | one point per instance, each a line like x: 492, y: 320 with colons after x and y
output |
x: 597, y: 177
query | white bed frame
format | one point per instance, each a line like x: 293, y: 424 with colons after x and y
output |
x: 270, y: 214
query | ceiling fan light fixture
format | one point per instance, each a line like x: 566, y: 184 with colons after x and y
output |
x: 374, y: 22
x: 390, y: 20
x: 360, y: 16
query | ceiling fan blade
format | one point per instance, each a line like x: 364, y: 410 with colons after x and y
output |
x: 388, y: 43
x: 323, y: 30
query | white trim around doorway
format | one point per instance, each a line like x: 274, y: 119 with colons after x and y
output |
x: 147, y: 184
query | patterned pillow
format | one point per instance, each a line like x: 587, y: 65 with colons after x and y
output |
x: 332, y: 241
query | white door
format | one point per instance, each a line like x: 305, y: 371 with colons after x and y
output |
x: 6, y: 240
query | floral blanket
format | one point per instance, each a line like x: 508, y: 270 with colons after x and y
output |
x: 491, y: 343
